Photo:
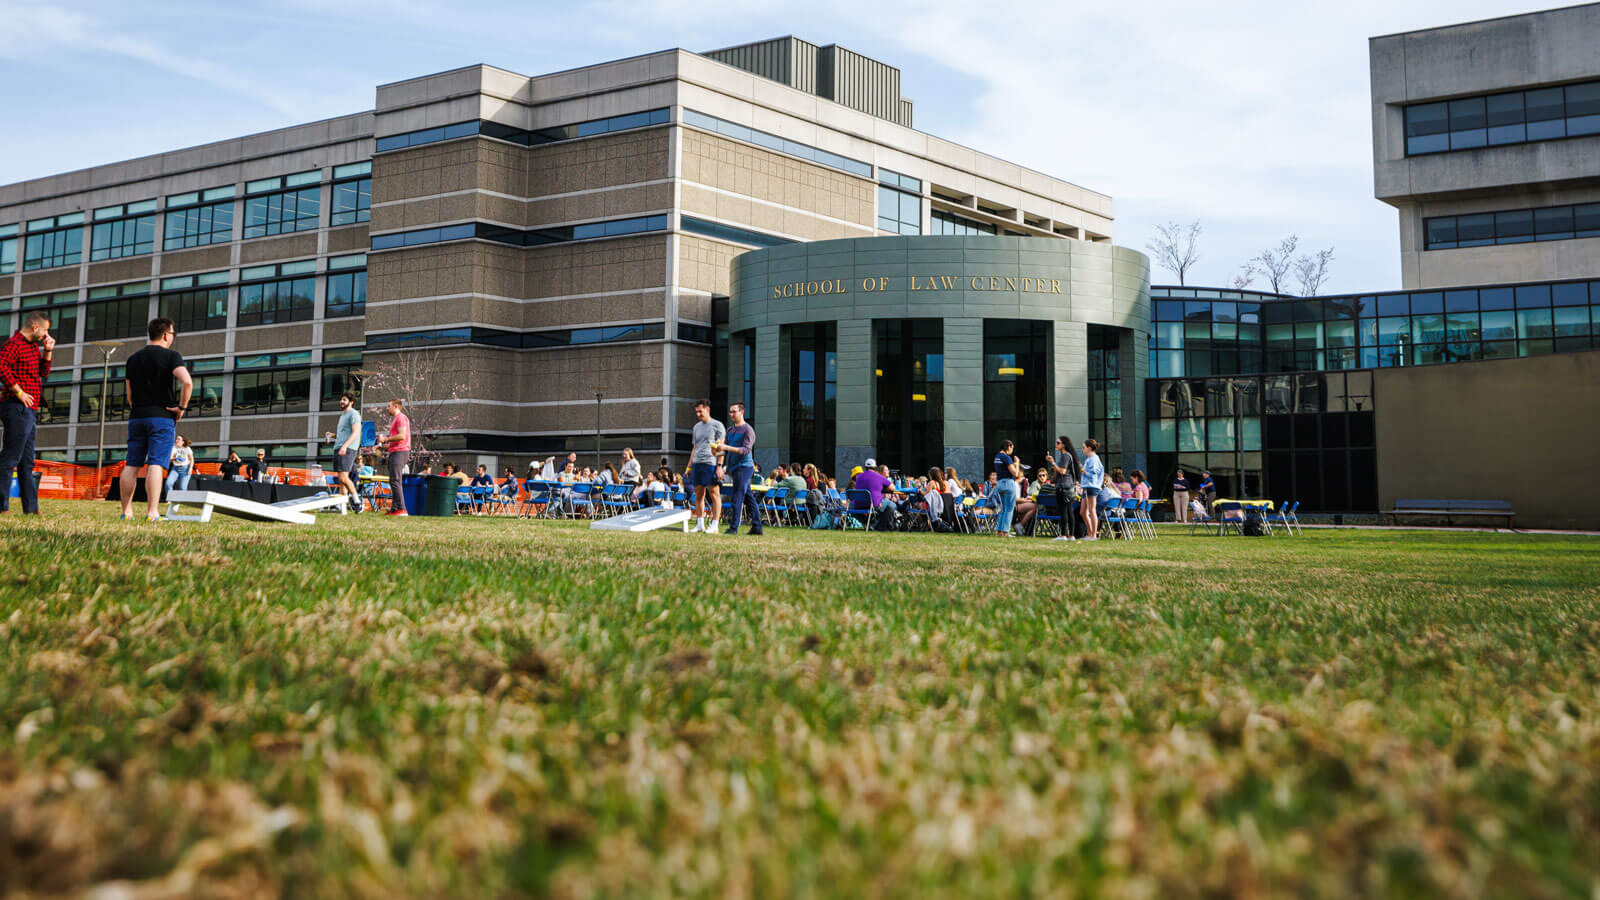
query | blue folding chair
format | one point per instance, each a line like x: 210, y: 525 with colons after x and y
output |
x: 1047, y: 515
x: 463, y: 499
x: 859, y: 506
x: 1230, y: 514
x: 1111, y: 514
x: 580, y: 499
x: 772, y: 505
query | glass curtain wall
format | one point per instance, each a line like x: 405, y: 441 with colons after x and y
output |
x: 909, y: 370
x: 1016, y: 387
x: 1105, y: 393
x: 813, y: 383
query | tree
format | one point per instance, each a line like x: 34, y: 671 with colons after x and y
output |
x: 1247, y: 274
x: 1275, y: 263
x: 427, y: 384
x: 1175, y: 247
x: 1311, y: 270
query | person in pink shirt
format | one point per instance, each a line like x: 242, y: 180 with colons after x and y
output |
x: 398, y: 442
x: 1141, y: 487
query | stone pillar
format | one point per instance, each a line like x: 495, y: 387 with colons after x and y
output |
x: 1133, y: 350
x: 855, y: 404
x: 771, y: 397
x: 963, y: 397
x: 1069, y: 381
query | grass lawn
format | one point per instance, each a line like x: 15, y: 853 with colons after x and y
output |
x: 501, y: 708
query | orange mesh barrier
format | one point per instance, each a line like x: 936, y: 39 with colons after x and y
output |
x: 69, y: 481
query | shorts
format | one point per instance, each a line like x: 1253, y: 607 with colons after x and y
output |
x: 150, y: 441
x: 703, y: 475
x: 344, y: 461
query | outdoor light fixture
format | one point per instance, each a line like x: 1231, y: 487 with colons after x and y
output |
x: 108, y: 348
x: 919, y: 398
x: 878, y: 372
x: 1010, y: 370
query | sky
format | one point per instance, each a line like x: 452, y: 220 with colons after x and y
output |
x: 1251, y: 118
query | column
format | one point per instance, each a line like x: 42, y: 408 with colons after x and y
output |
x: 963, y: 397
x: 1069, y: 384
x: 855, y: 405
x: 771, y: 399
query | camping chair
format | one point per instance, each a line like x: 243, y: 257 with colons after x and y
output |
x: 859, y: 506
x: 1048, y: 514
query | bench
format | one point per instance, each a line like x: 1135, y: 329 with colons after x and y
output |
x: 1452, y: 509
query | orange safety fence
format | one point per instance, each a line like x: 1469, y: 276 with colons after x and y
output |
x: 69, y: 481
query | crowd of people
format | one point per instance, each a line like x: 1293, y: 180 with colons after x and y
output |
x: 158, y: 388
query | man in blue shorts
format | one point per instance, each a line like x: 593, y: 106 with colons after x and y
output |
x: 153, y: 414
x: 705, y: 467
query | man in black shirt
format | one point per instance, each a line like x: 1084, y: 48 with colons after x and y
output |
x: 153, y: 415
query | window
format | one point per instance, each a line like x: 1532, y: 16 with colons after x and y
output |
x: 55, y: 398
x: 8, y: 249
x: 529, y: 340
x: 200, y: 309
x: 518, y: 237
x: 271, y: 392
x: 116, y: 404
x: 899, y: 203
x: 337, y: 368
x: 116, y: 312
x: 950, y: 223
x: 1515, y: 117
x: 62, y: 308
x: 125, y: 230
x: 1519, y: 226
x: 352, y: 194
x: 206, y: 400
x: 347, y: 291
x: 281, y: 300
x: 730, y: 233
x: 773, y: 142
x: 286, y: 211
x: 52, y: 242
x: 190, y: 224
x: 520, y: 136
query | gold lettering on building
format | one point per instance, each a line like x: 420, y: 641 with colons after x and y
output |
x: 1026, y: 284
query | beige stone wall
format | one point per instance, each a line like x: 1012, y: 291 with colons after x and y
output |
x: 203, y: 259
x: 717, y: 162
x: 705, y: 264
x: 119, y: 270
x: 598, y: 267
x: 291, y: 247
x: 600, y: 162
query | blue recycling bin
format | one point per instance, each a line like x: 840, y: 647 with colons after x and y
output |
x: 16, y: 485
x: 415, y: 488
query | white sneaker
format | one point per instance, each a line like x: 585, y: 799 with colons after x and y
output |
x: 714, y: 527
x: 1064, y: 537
x: 697, y: 528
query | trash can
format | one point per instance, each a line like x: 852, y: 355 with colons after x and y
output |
x: 415, y: 489
x: 441, y: 498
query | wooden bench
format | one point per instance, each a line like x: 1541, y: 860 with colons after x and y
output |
x: 1452, y: 509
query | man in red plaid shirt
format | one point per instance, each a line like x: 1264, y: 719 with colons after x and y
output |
x: 24, y: 364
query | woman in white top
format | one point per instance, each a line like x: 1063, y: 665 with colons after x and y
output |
x: 181, y: 466
x: 630, y: 467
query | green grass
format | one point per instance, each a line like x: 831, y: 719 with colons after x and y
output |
x: 503, y: 708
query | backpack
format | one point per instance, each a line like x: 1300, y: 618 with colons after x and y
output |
x: 822, y: 522
x: 1252, y: 526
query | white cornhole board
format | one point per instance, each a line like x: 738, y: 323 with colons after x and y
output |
x: 648, y: 519
x: 295, y: 512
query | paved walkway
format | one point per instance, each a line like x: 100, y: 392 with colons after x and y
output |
x: 1437, y: 528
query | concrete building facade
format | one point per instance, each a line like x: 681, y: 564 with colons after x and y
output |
x: 528, y: 245
x: 1485, y: 137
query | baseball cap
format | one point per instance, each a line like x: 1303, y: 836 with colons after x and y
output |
x: 872, y: 463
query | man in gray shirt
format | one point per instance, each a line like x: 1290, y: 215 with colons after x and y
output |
x: 346, y: 441
x: 705, y: 467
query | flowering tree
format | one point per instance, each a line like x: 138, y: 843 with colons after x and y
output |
x: 429, y: 386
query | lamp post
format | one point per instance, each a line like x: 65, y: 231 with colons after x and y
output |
x: 107, y: 348
x: 598, y: 397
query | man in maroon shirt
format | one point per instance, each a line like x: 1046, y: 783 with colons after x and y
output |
x: 24, y: 365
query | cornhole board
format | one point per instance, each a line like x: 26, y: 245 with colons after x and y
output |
x: 648, y: 519
x: 294, y: 512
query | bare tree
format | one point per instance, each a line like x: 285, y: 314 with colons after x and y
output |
x: 1247, y: 274
x: 1176, y: 247
x: 1276, y: 262
x: 427, y: 384
x: 1311, y: 270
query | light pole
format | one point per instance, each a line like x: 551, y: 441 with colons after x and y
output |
x: 361, y: 376
x: 598, y: 396
x: 107, y: 348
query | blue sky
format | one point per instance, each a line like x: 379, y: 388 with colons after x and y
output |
x: 1250, y: 117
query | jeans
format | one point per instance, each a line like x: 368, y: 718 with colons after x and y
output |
x: 397, y: 463
x: 16, y: 455
x: 1006, y: 490
x: 743, y: 495
x: 178, y: 476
